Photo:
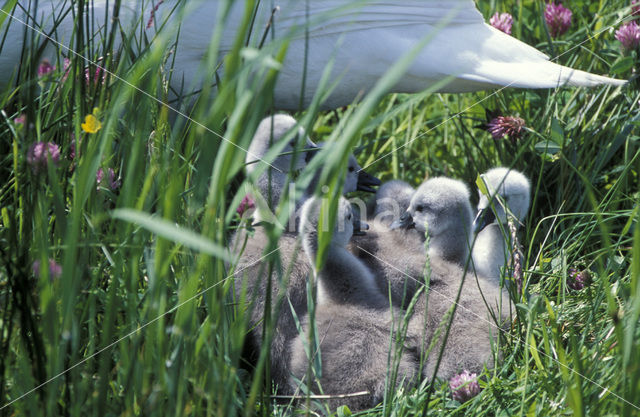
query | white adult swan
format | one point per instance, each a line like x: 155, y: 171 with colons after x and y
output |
x: 356, y: 330
x: 363, y: 39
x: 509, y: 191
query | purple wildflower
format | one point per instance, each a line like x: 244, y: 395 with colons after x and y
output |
x: 578, y: 280
x: 66, y: 68
x: 55, y: 270
x: 502, y: 21
x: 72, y: 148
x: 246, y: 204
x: 558, y: 19
x: 629, y: 36
x: 464, y: 386
x: 112, y: 182
x: 153, y: 13
x: 45, y: 68
x: 501, y: 126
x: 99, y: 76
x: 20, y: 119
x: 38, y: 155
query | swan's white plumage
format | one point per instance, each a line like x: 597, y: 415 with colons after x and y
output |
x: 364, y: 39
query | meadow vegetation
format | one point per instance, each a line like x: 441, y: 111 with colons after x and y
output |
x: 115, y: 297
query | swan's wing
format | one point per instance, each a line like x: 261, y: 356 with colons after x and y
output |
x: 464, y: 46
x: 330, y: 17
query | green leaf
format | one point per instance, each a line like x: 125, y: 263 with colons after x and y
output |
x: 557, y: 133
x: 482, y: 187
x: 9, y: 5
x: 534, y: 352
x: 343, y: 411
x: 5, y: 217
x: 172, y: 232
x: 622, y: 65
x: 253, y: 54
x: 547, y: 147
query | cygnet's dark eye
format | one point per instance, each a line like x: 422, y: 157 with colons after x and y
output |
x: 292, y: 143
x: 421, y: 207
x: 351, y: 169
x: 349, y: 217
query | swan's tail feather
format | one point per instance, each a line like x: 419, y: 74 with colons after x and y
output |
x: 544, y: 74
x: 508, y: 62
x: 579, y: 78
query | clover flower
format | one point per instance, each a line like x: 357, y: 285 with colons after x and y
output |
x: 20, y: 120
x: 40, y: 153
x: 66, y: 69
x: 112, y: 182
x: 558, y: 19
x: 629, y: 36
x: 501, y: 126
x: 464, y: 386
x: 577, y: 280
x: 502, y: 21
x: 99, y: 76
x: 45, y: 68
x: 55, y: 270
x: 246, y: 204
x: 73, y: 151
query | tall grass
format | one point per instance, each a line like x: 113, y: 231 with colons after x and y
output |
x: 142, y: 319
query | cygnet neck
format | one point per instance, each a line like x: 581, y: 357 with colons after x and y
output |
x: 452, y: 246
x: 343, y: 279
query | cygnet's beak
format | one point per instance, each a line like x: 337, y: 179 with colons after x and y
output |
x: 359, y: 228
x: 309, y: 153
x: 404, y: 222
x: 366, y: 181
x: 484, y: 218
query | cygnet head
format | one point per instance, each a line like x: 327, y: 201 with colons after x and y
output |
x: 271, y: 130
x: 440, y: 206
x: 514, y: 190
x: 392, y: 200
x: 357, y: 179
x: 310, y: 221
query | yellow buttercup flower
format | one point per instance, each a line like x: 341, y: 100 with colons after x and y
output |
x: 91, y: 123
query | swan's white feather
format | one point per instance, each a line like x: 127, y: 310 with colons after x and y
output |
x: 364, y: 39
